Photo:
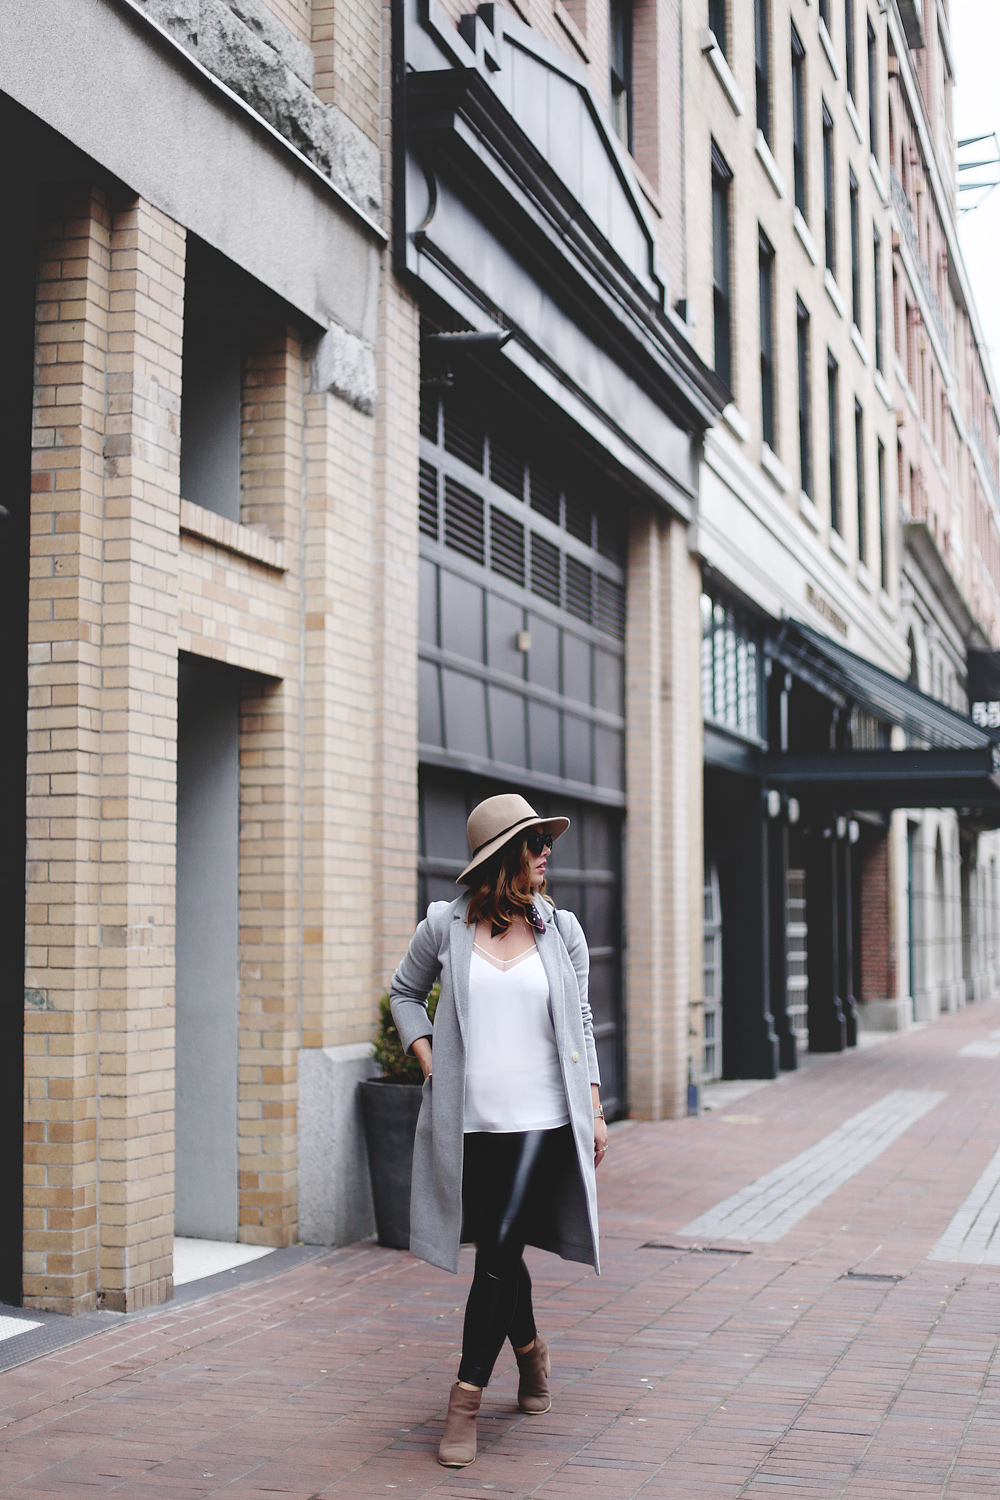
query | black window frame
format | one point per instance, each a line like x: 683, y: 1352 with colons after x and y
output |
x: 859, y: 479
x: 722, y: 312
x: 872, y: 90
x: 762, y: 65
x: 803, y: 329
x: 878, y: 307
x: 621, y: 49
x: 799, y: 154
x: 850, y: 68
x: 765, y: 282
x: 829, y: 193
x: 855, y: 203
x: 833, y: 438
x: 718, y: 23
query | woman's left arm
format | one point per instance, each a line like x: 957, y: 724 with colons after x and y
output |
x: 579, y: 953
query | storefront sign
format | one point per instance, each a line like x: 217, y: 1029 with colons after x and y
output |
x: 823, y: 607
x: 984, y: 688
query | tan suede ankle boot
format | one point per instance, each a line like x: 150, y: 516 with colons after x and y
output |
x: 533, y: 1388
x: 458, y: 1441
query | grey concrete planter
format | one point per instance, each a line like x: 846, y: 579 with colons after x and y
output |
x: 389, y: 1113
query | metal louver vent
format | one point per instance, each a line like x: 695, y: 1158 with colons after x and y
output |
x: 544, y: 569
x: 544, y: 495
x: 506, y: 467
x: 428, y: 499
x: 464, y: 528
x: 609, y: 614
x: 464, y: 435
x: 579, y: 519
x: 506, y: 546
x: 579, y: 589
x: 429, y: 416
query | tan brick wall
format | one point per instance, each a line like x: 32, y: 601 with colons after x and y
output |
x: 347, y: 45
x: 101, y: 774
x: 295, y: 14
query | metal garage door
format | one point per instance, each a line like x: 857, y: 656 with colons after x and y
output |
x: 522, y: 622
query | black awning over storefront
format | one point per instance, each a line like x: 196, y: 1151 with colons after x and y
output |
x: 948, y: 761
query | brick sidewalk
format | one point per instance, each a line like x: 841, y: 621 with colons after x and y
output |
x: 680, y: 1374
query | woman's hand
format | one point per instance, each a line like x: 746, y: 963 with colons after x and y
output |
x: 421, y: 1050
x: 600, y: 1129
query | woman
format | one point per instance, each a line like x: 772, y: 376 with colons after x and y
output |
x: 511, y: 1126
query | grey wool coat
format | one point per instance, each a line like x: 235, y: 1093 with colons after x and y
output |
x: 442, y: 948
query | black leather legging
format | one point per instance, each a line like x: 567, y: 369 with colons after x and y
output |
x: 507, y: 1180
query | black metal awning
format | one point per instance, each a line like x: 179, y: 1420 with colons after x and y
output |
x: 844, y: 677
x: 954, y: 763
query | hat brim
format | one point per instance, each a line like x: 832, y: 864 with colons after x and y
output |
x: 556, y: 826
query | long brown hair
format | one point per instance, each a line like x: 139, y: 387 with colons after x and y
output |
x: 503, y: 888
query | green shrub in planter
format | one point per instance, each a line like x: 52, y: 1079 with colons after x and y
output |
x: 394, y: 1062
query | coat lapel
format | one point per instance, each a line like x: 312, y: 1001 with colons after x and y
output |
x: 460, y: 943
x: 549, y: 952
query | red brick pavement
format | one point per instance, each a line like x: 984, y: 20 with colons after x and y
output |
x: 680, y: 1374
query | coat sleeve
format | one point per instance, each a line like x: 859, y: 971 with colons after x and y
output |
x: 579, y: 954
x: 413, y: 980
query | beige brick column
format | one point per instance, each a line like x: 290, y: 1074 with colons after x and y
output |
x: 139, y: 751
x: 64, y: 756
x: 271, y: 814
x: 663, y: 844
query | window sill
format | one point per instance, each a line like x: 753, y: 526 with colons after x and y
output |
x: 802, y: 230
x: 839, y: 547
x: 860, y: 345
x: 865, y: 579
x: 833, y: 292
x: 809, y: 513
x: 770, y: 165
x: 775, y: 469
x: 709, y: 43
x: 230, y: 536
x: 852, y: 115
x: 877, y: 179
x: 883, y: 390
x: 827, y: 42
x: 736, y: 422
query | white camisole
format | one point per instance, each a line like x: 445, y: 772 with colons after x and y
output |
x: 513, y: 1080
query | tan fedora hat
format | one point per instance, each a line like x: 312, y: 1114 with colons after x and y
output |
x: 496, y: 821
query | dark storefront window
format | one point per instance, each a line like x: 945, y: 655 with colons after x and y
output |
x: 730, y: 668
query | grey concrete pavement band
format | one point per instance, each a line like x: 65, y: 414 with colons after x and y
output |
x: 776, y: 1202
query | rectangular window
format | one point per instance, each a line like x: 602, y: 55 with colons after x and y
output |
x: 849, y: 47
x: 824, y: 13
x: 877, y: 270
x: 718, y: 22
x: 859, y: 466
x: 855, y: 252
x: 620, y: 18
x: 805, y: 398
x: 762, y: 60
x: 884, y: 561
x: 799, y: 122
x: 833, y: 425
x: 829, y: 203
x: 872, y: 91
x: 721, y: 310
x: 766, y: 273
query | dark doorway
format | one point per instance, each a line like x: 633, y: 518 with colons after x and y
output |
x: 18, y: 247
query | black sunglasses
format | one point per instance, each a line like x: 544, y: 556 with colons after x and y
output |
x: 537, y: 840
